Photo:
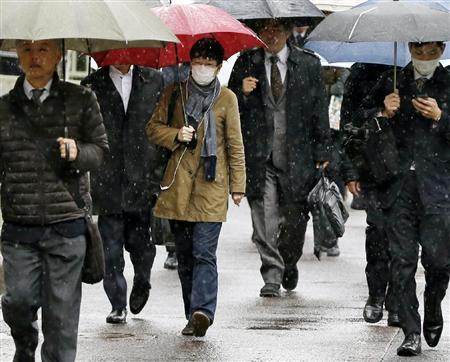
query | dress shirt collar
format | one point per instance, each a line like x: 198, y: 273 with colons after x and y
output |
x: 28, y: 88
x: 282, y: 55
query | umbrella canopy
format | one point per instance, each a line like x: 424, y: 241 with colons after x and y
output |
x: 336, y: 5
x: 190, y: 22
x: 85, y: 26
x: 295, y: 10
x: 386, y: 21
x: 364, y: 52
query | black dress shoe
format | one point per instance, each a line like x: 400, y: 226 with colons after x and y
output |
x: 200, y: 323
x: 117, y: 316
x: 171, y: 261
x: 433, y: 323
x: 393, y: 319
x: 411, y: 346
x: 138, y: 297
x: 373, y: 310
x: 188, y: 330
x: 290, y: 277
x: 270, y: 290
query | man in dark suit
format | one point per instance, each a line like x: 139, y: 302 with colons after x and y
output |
x: 283, y: 108
x: 51, y: 134
x: 362, y: 79
x: 416, y: 203
x: 123, y: 186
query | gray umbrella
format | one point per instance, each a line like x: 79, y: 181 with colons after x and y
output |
x: 85, y: 26
x: 296, y: 10
x: 387, y: 21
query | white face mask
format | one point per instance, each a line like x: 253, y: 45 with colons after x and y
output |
x: 425, y: 67
x: 203, y: 74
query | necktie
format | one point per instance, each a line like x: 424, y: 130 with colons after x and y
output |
x: 421, y: 83
x: 36, y: 95
x: 275, y: 78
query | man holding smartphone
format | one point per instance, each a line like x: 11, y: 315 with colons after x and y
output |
x: 416, y: 203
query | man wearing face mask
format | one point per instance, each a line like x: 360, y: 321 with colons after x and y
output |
x: 416, y: 204
x: 199, y: 175
x: 286, y: 133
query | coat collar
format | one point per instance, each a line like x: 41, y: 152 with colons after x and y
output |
x: 18, y: 93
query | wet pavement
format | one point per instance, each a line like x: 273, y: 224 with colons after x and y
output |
x: 320, y: 321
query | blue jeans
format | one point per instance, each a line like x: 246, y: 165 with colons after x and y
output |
x: 196, y: 245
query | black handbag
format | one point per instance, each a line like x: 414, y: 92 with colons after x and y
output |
x: 329, y: 213
x: 373, y: 150
x: 94, y: 262
x: 381, y: 152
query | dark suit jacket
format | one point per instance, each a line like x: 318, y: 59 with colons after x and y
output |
x: 416, y: 139
x: 308, y: 133
x: 132, y: 171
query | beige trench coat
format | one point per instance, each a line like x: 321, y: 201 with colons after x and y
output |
x: 191, y: 197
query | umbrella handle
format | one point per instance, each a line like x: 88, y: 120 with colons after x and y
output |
x: 186, y: 123
x: 395, y: 65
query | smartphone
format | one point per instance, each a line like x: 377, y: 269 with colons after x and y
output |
x: 421, y: 95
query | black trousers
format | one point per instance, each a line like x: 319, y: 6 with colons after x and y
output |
x: 408, y: 227
x: 378, y: 256
x: 129, y: 230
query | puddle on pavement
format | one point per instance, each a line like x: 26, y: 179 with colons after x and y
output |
x: 283, y: 324
x: 116, y: 335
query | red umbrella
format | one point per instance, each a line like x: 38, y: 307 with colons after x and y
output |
x: 189, y: 22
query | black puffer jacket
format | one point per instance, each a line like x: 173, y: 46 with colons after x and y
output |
x: 31, y: 191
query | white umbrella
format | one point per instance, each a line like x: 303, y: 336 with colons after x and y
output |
x: 85, y: 26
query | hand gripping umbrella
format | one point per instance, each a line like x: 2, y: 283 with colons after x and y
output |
x: 387, y: 21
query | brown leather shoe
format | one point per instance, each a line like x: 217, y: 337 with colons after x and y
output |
x: 200, y: 323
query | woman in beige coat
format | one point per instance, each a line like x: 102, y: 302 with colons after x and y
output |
x: 207, y: 163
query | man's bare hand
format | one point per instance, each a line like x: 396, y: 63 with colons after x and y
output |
x: 323, y: 164
x: 391, y: 104
x: 70, y: 145
x: 185, y: 134
x: 249, y: 84
x: 427, y: 107
x: 354, y: 187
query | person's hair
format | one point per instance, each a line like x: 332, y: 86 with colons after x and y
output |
x: 440, y: 44
x: 57, y: 42
x: 208, y: 48
x: 258, y: 25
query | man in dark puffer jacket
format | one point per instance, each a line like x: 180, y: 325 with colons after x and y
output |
x: 43, y: 236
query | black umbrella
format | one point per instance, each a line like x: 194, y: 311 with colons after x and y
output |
x: 298, y: 11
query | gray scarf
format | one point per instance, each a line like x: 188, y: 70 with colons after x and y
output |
x: 199, y: 104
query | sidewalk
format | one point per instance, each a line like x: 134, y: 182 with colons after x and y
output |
x: 320, y: 321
